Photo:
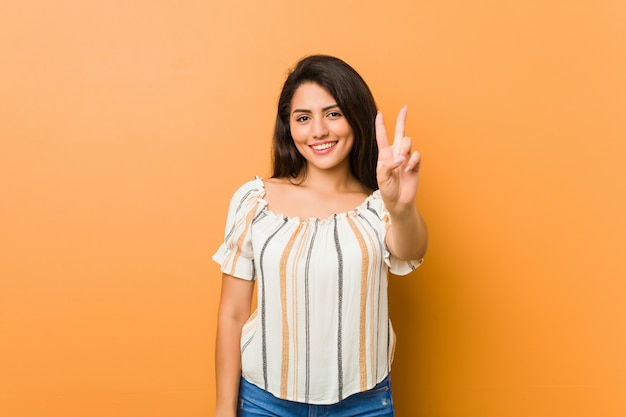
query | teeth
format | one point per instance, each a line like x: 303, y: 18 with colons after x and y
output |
x: 324, y: 146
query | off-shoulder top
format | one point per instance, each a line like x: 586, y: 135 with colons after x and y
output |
x: 321, y: 329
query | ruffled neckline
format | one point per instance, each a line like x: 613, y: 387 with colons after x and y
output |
x: 297, y: 219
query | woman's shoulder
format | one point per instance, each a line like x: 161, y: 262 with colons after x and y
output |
x: 255, y: 184
x: 375, y: 204
x: 261, y: 186
x: 275, y: 186
x: 251, y: 189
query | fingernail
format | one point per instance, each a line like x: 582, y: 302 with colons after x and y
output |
x: 399, y: 159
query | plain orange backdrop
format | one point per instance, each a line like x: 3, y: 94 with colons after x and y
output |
x: 126, y: 125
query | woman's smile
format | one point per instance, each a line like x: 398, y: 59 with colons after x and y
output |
x: 323, y: 148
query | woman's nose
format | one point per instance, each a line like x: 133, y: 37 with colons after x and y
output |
x: 320, y: 130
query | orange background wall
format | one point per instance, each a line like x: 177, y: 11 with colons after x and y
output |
x: 126, y: 125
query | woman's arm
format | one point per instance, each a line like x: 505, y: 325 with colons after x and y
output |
x: 234, y: 310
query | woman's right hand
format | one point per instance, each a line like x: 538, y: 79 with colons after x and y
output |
x: 397, y: 171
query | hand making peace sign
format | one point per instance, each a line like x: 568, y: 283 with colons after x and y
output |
x: 397, y: 170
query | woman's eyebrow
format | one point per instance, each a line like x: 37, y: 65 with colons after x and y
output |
x: 309, y: 111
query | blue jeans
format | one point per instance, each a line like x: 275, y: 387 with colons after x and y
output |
x: 256, y: 402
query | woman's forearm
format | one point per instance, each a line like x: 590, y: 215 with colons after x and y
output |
x: 227, y: 366
x: 407, y: 237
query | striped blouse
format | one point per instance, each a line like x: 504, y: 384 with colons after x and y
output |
x: 321, y: 330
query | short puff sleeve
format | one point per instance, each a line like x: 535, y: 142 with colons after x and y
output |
x: 235, y: 254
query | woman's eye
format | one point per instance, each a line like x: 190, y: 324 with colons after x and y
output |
x: 334, y: 114
x: 302, y: 118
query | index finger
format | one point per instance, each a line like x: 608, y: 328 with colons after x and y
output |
x: 381, y: 133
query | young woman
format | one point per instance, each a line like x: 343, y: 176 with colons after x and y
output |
x: 318, y: 238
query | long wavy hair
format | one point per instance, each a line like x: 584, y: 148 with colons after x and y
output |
x: 357, y: 104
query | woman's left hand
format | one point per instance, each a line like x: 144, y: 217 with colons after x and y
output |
x: 397, y: 171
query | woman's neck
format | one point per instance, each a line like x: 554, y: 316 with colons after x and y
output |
x: 330, y: 180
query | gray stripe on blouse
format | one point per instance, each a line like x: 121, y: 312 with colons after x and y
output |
x: 263, y: 323
x: 307, y: 315
x: 339, y: 311
x: 244, y: 198
x: 380, y: 250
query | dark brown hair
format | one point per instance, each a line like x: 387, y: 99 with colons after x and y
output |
x: 356, y: 103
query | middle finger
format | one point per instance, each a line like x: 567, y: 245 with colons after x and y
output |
x: 400, y: 124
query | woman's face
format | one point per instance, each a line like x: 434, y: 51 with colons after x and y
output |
x: 319, y: 129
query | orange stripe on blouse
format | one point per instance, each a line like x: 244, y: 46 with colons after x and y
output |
x: 283, y: 304
x: 372, y: 311
x: 247, y: 330
x: 242, y: 236
x: 363, y: 306
x: 294, y: 307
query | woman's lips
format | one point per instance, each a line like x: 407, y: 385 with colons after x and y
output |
x: 323, y: 146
